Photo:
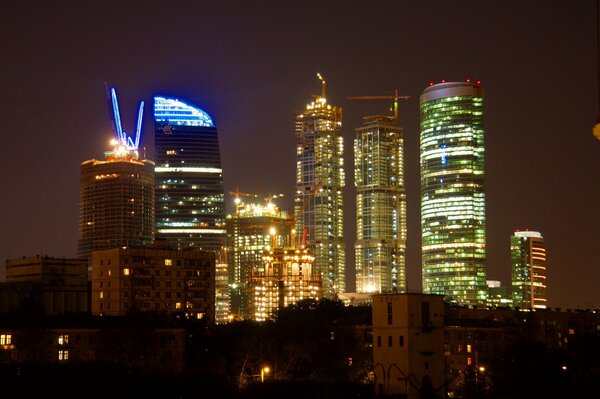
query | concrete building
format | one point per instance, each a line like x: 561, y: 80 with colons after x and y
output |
x: 154, y: 278
x: 380, y: 206
x: 528, y: 255
x: 408, y: 345
x: 318, y: 202
x: 453, y: 192
x: 116, y: 206
x: 57, y: 285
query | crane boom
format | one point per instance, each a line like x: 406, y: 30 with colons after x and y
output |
x: 396, y: 96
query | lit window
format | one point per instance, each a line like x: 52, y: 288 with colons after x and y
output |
x: 126, y: 272
x: 63, y: 339
x: 63, y: 355
x: 101, y: 294
x: 5, y: 339
x: 168, y: 262
x: 178, y: 305
x: 468, y: 348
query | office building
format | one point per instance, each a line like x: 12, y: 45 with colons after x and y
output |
x: 452, y: 192
x: 285, y: 277
x: 253, y: 229
x: 190, y: 207
x: 380, y: 206
x: 156, y: 278
x: 528, y: 255
x: 116, y: 206
x: 318, y: 203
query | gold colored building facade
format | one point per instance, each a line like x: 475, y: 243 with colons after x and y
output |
x: 285, y: 277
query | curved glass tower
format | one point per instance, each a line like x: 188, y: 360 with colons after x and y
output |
x: 190, y: 198
x: 452, y: 192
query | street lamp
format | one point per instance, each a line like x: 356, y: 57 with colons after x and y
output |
x: 264, y: 371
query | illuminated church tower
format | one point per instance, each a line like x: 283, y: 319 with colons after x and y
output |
x: 318, y: 202
x: 452, y: 191
x: 190, y: 198
x: 116, y: 206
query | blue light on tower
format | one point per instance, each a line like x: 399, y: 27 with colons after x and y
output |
x: 176, y: 112
x: 123, y: 139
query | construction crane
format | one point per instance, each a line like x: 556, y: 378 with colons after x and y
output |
x: 396, y: 96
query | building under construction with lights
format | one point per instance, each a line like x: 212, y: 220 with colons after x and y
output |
x: 251, y: 230
x: 116, y: 206
x: 318, y: 202
x: 380, y: 206
x: 285, y: 277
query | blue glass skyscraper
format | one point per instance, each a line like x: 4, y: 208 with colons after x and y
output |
x: 190, y: 198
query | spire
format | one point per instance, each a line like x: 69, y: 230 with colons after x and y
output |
x: 322, y: 84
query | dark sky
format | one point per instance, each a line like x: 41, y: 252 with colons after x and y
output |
x: 251, y: 64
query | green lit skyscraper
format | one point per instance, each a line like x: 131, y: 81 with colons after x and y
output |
x: 318, y: 203
x: 380, y: 206
x: 452, y: 191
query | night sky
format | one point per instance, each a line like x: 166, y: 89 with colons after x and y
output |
x: 251, y: 64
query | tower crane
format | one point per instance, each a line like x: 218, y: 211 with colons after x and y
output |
x: 396, y: 96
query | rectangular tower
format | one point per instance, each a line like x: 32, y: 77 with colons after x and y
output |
x: 528, y: 254
x: 319, y: 183
x: 452, y: 192
x: 380, y: 206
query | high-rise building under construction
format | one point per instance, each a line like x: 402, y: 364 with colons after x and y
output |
x: 116, y: 206
x: 380, y: 206
x: 318, y: 200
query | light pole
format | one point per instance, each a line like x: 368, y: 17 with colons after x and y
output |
x: 264, y: 371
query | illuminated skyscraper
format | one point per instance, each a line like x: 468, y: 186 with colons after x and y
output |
x: 528, y: 254
x: 380, y: 206
x: 452, y: 191
x: 116, y: 205
x: 252, y: 230
x: 190, y: 201
x: 319, y: 184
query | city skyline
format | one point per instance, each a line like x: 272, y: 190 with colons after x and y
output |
x: 251, y: 72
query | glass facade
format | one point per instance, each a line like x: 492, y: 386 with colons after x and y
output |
x: 380, y: 207
x: 528, y: 255
x: 318, y: 202
x: 452, y: 192
x: 190, y: 198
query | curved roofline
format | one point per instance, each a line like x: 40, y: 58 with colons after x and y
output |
x: 451, y: 89
x: 177, y: 112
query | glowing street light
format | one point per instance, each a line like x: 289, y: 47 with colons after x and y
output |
x: 264, y: 371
